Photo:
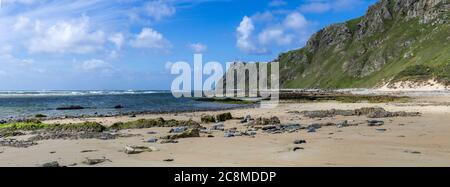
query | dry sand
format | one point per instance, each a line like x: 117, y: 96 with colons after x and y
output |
x: 407, y: 141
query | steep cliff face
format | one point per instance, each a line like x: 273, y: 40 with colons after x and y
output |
x: 394, y: 36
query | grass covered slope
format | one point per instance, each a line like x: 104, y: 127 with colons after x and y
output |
x: 396, y: 40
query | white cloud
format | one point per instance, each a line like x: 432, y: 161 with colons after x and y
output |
x: 262, y: 17
x: 95, y: 65
x: 118, y: 40
x: 315, y: 7
x: 278, y: 31
x: 244, y: 33
x: 198, y: 47
x: 295, y: 20
x: 159, y: 9
x: 21, y: 23
x: 276, y: 3
x: 275, y: 35
x: 321, y: 6
x: 149, y: 38
x: 25, y: 2
x: 68, y: 37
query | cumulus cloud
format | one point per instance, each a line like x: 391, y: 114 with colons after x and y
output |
x: 67, y: 37
x: 21, y: 23
x: 159, y: 9
x: 292, y: 28
x: 96, y: 65
x: 149, y: 38
x: 118, y: 40
x: 244, y: 33
x: 275, y: 35
x: 198, y: 47
x: 295, y: 20
x: 276, y: 3
x: 321, y: 6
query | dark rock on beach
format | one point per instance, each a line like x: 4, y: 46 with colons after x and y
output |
x: 53, y: 164
x: 224, y: 117
x: 375, y: 123
x: 299, y: 141
x: 89, y: 161
x: 208, y: 119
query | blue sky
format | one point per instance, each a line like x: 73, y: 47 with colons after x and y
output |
x: 129, y: 44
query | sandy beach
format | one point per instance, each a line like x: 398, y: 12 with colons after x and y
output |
x: 402, y: 141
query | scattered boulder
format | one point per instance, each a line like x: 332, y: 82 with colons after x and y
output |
x: 218, y: 127
x: 132, y: 149
x: 168, y: 141
x: 168, y: 160
x: 53, y: 164
x: 152, y: 140
x: 178, y: 129
x: 374, y: 123
x: 297, y: 148
x: 91, y: 162
x: 265, y: 121
x: 228, y: 134
x: 208, y: 119
x: 189, y: 133
x: 246, y: 119
x: 224, y: 117
x: 342, y: 124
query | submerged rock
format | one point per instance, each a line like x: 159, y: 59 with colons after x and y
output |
x: 71, y: 107
x: 118, y: 107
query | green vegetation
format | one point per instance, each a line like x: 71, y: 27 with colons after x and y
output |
x: 27, y: 126
x: 31, y: 126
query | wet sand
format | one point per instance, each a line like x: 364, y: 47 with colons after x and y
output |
x: 406, y: 141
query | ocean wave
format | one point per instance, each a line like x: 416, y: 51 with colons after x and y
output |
x: 74, y: 93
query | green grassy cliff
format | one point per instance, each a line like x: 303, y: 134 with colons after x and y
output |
x: 396, y: 40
